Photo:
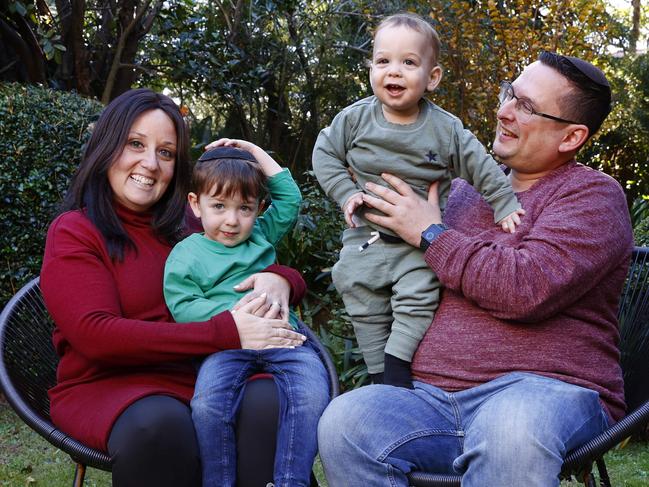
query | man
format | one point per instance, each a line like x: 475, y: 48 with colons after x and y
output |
x: 520, y: 364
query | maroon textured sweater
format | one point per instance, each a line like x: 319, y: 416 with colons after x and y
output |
x: 115, y: 337
x: 542, y: 300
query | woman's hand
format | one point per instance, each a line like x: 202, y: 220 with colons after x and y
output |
x: 405, y: 213
x: 258, y: 333
x: 275, y: 289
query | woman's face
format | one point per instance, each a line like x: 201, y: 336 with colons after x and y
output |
x: 142, y: 172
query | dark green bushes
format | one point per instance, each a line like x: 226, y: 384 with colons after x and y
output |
x: 41, y: 134
x: 312, y: 247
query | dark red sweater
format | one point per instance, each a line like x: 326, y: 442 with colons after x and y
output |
x: 115, y: 337
x: 541, y: 300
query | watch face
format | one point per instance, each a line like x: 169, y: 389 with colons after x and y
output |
x: 430, y: 234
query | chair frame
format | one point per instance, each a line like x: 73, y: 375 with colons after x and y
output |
x: 579, y: 462
x: 26, y: 389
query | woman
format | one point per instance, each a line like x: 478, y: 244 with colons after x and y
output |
x: 125, y: 375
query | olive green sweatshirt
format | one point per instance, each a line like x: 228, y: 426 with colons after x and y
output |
x: 435, y: 147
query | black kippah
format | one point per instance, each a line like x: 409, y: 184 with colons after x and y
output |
x: 226, y: 153
x: 591, y: 72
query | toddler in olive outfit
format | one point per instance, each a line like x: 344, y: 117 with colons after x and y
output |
x: 388, y: 290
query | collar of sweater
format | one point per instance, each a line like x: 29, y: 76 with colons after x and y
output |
x: 133, y: 218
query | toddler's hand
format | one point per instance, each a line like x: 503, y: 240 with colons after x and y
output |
x: 510, y: 222
x: 350, y: 207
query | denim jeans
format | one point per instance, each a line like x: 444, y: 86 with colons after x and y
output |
x: 510, y: 432
x: 303, y: 387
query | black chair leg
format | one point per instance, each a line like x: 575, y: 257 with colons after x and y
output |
x: 604, y: 479
x: 79, y: 475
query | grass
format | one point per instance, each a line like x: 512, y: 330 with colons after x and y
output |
x: 27, y: 460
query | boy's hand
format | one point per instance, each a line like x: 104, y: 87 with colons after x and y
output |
x: 352, y: 203
x: 510, y: 222
x: 238, y: 143
x: 267, y: 163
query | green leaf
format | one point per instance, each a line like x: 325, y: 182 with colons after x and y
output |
x: 20, y: 8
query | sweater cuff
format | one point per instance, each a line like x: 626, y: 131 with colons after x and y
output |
x: 225, y: 330
x: 437, y: 253
x: 295, y: 280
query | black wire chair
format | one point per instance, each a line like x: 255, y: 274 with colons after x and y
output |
x: 633, y: 316
x: 28, y: 369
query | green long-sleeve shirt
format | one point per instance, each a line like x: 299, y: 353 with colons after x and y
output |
x: 200, y: 274
x: 435, y: 147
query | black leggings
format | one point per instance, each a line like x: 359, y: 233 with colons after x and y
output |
x: 153, y: 441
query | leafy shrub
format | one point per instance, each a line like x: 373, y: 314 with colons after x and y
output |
x: 41, y: 134
x: 640, y: 221
x: 312, y: 247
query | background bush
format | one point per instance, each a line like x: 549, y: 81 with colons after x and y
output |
x: 41, y: 135
x: 312, y: 247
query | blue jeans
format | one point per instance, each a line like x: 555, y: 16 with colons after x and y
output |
x: 509, y: 432
x: 303, y: 387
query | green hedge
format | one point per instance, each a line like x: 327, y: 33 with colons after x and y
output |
x: 41, y: 135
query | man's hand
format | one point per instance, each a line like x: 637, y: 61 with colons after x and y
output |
x: 351, y: 205
x: 405, y: 213
x: 510, y: 222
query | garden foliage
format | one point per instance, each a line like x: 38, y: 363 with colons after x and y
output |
x: 41, y: 134
x: 312, y: 247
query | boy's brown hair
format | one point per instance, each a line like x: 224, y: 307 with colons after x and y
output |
x: 227, y: 171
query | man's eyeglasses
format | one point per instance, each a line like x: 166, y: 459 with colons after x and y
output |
x: 524, y: 107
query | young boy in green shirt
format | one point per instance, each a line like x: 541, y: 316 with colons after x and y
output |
x: 228, y: 185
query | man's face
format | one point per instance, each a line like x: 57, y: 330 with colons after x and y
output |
x: 532, y: 147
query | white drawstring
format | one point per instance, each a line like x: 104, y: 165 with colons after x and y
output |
x: 374, y: 238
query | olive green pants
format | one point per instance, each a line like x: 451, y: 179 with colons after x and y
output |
x: 389, y: 293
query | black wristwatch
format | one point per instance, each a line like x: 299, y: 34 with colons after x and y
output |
x: 430, y: 234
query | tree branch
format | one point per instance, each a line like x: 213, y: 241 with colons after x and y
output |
x: 148, y: 21
x: 635, y: 26
x: 28, y: 51
x: 8, y: 66
x: 138, y: 67
x: 112, y: 74
x: 362, y: 48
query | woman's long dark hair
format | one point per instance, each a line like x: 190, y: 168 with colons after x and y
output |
x: 90, y: 189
